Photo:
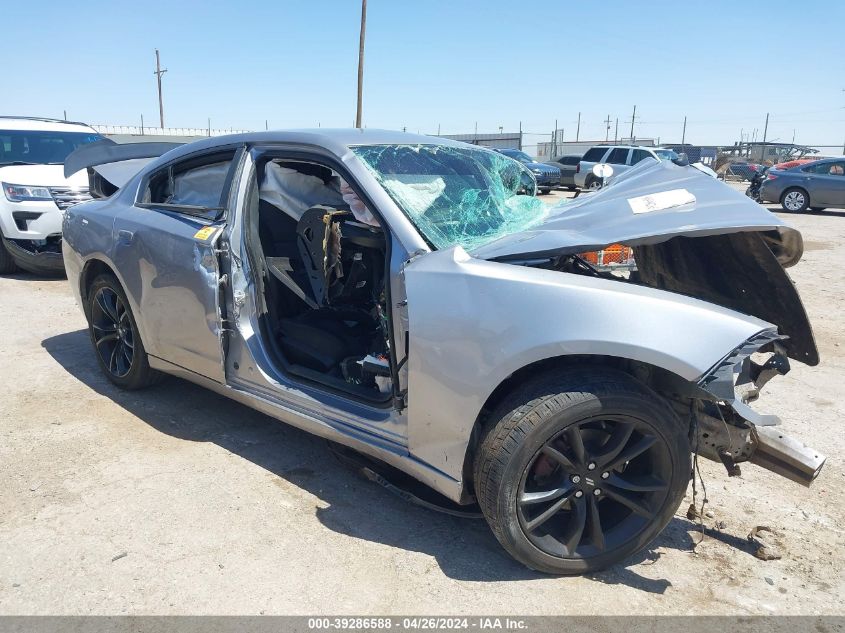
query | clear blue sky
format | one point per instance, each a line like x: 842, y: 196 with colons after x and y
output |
x: 437, y: 62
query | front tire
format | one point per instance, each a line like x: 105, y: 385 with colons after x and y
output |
x: 795, y: 200
x: 581, y: 470
x: 114, y: 334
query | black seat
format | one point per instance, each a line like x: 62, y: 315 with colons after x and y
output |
x: 321, y: 339
x: 311, y: 346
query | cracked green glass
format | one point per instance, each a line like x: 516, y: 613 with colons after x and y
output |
x: 456, y: 195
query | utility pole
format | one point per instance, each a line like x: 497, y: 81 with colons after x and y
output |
x: 616, y: 133
x: 684, y: 133
x: 633, y: 118
x: 578, y: 129
x: 361, y: 62
x: 766, y: 128
x: 607, y: 128
x: 142, y: 124
x: 554, y: 144
x: 158, y: 73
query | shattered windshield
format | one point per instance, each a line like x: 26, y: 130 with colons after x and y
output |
x: 522, y: 157
x: 456, y: 195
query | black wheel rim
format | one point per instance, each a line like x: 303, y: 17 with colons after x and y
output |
x: 594, y: 487
x: 113, y: 335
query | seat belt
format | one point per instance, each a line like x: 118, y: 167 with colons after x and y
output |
x: 280, y: 267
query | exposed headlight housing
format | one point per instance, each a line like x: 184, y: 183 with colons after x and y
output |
x: 25, y: 193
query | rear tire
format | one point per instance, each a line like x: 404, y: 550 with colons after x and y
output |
x: 581, y: 470
x: 795, y: 200
x: 114, y: 335
x: 7, y: 263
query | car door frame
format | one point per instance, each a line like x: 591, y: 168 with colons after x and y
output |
x: 176, y: 231
x: 250, y: 364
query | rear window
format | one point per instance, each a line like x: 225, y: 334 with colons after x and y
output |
x: 595, y: 154
x: 569, y: 160
x: 618, y: 156
x: 197, y: 186
x: 833, y: 169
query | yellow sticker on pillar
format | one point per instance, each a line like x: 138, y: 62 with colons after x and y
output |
x: 205, y: 232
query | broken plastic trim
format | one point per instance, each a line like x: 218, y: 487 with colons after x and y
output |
x: 737, y: 379
x: 455, y: 195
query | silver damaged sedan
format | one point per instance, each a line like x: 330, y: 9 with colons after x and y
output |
x: 396, y: 295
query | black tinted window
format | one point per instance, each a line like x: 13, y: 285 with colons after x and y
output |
x: 831, y: 169
x: 569, y: 160
x: 618, y: 156
x: 639, y: 154
x: 41, y: 147
x: 595, y: 154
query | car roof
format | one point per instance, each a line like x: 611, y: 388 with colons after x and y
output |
x: 39, y: 124
x: 627, y: 147
x: 807, y: 163
x: 338, y: 141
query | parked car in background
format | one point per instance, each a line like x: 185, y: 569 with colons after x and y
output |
x: 622, y: 157
x: 547, y: 177
x: 35, y: 192
x: 795, y: 163
x: 814, y: 186
x: 744, y: 170
x: 395, y: 294
x: 567, y: 165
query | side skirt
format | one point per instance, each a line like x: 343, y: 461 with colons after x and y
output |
x: 365, y: 443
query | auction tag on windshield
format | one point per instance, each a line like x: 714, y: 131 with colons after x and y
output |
x: 661, y: 200
x: 205, y: 232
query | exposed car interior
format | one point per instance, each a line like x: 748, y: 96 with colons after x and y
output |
x: 322, y: 257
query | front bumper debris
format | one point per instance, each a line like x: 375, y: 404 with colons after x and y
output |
x: 730, y: 431
x: 37, y: 256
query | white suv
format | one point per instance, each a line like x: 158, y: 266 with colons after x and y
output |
x: 35, y: 191
x: 622, y: 157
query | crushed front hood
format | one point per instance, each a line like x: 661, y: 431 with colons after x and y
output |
x: 691, y: 235
x: 620, y: 213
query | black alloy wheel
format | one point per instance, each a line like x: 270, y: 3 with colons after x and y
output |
x: 112, y: 331
x: 580, y: 468
x: 594, y: 487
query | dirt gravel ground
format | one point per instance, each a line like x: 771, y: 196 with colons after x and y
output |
x: 175, y: 500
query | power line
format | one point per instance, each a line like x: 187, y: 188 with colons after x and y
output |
x: 158, y: 73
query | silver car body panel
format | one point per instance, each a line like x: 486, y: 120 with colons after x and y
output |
x: 470, y: 323
x: 473, y: 323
